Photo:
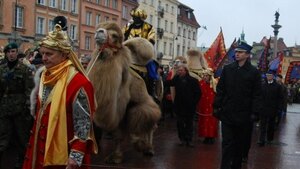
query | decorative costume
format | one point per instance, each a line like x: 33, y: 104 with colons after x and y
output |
x: 64, y: 108
x: 207, y: 124
x: 140, y: 28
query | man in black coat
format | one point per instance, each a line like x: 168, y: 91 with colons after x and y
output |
x: 272, y: 105
x: 187, y: 95
x: 236, y: 105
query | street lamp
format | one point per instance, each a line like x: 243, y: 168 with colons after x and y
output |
x: 276, y: 28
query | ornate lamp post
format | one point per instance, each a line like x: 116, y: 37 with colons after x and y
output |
x: 276, y: 28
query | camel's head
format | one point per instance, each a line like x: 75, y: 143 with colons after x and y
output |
x: 108, y: 36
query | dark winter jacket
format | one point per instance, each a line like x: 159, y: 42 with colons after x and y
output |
x: 272, y: 99
x: 238, y: 98
x: 187, y: 95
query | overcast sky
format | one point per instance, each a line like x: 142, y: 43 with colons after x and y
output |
x: 254, y: 16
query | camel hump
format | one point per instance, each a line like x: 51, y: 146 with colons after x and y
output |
x: 142, y: 51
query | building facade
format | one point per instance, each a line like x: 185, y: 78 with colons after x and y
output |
x: 187, y: 30
x: 16, y: 22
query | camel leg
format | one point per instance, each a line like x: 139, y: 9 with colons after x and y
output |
x: 117, y: 156
x: 149, y: 140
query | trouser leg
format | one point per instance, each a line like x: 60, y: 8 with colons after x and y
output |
x: 180, y: 128
x: 228, y: 136
x: 271, y: 128
x: 189, y: 128
x: 263, y: 130
x: 248, y: 139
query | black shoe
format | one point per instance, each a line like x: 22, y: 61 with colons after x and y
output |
x: 261, y: 144
x: 189, y: 144
x: 244, y: 159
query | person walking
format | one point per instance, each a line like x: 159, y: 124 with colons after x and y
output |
x: 207, y: 123
x: 236, y: 105
x: 62, y: 136
x: 15, y: 120
x: 187, y: 94
x: 272, y: 105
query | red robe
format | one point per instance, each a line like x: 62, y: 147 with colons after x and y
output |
x: 207, y: 123
x: 78, y: 81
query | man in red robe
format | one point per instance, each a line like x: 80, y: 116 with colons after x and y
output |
x: 207, y: 123
x: 62, y: 135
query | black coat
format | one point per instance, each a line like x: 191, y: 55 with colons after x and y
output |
x: 187, y: 95
x: 272, y: 99
x: 238, y: 97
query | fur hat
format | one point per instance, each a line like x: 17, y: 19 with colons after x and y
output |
x: 62, y: 21
x: 139, y: 13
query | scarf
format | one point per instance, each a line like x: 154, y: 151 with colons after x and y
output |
x: 56, y: 149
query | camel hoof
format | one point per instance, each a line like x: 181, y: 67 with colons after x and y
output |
x: 115, y: 158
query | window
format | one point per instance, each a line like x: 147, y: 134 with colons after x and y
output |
x: 98, y: 19
x: 172, y: 10
x: 87, y: 45
x: 74, y: 6
x: 183, y: 33
x: 106, y: 18
x: 124, y: 11
x: 189, y: 34
x: 106, y: 3
x: 158, y: 22
x: 167, y: 7
x: 63, y: 5
x: 52, y: 3
x: 73, y: 32
x: 171, y: 27
x: 194, y: 35
x: 50, y: 25
x: 166, y: 25
x: 114, y: 4
x: 88, y: 18
x: 183, y: 50
x: 40, y: 25
x: 98, y: 2
x: 20, y: 17
x: 189, y: 14
x: 165, y: 48
x: 152, y: 2
x: 179, y: 31
x: 178, y: 50
x: 151, y: 19
x: 171, y: 49
x: 41, y: 2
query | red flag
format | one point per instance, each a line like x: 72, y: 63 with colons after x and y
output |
x: 279, y: 70
x: 217, y: 51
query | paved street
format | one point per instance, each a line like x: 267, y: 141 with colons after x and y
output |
x: 283, y: 154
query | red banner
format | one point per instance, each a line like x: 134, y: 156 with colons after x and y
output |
x: 217, y: 51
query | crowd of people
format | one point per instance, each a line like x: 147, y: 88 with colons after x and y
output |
x: 59, y: 132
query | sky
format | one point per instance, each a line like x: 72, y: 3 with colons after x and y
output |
x: 255, y: 17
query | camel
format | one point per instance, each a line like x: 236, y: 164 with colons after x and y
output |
x: 124, y: 106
